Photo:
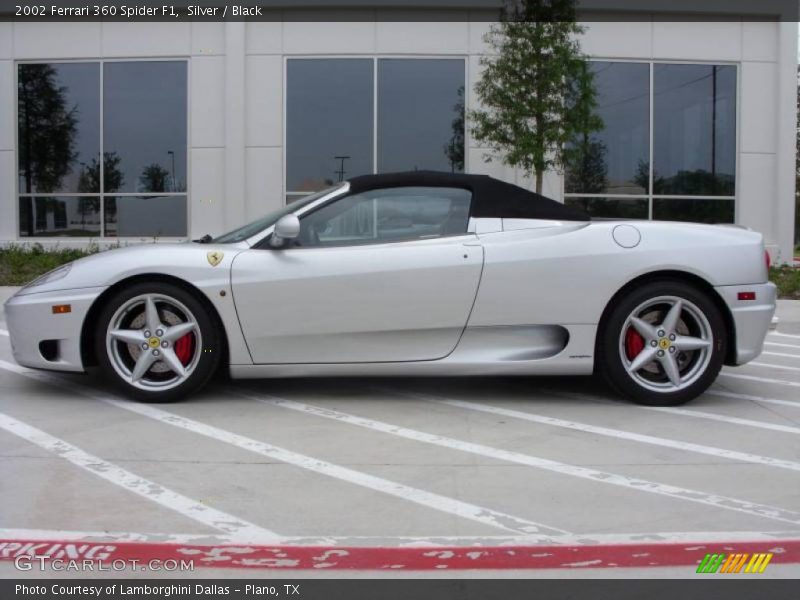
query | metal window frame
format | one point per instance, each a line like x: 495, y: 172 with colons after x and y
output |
x: 650, y: 196
x: 101, y: 195
x: 286, y: 193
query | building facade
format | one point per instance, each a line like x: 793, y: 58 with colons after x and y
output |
x: 123, y: 131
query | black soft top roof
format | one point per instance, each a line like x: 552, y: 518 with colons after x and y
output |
x: 490, y: 197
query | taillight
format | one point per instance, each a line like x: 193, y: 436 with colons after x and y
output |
x: 768, y: 259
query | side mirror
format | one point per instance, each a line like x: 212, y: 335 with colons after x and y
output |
x: 287, y: 228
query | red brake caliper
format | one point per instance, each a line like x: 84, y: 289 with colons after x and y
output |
x: 184, y: 348
x: 634, y: 343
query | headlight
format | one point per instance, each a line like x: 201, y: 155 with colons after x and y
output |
x: 51, y: 276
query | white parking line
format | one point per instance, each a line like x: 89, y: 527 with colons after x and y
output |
x: 631, y: 483
x: 590, y: 539
x: 784, y: 354
x: 785, y: 335
x: 724, y: 394
x: 452, y: 506
x: 431, y: 500
x: 726, y: 419
x: 149, y: 490
x: 760, y: 379
x: 771, y: 366
x: 622, y: 435
x: 777, y: 345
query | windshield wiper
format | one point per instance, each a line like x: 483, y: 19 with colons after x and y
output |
x: 206, y: 239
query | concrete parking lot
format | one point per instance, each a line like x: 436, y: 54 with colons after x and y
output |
x: 370, y: 476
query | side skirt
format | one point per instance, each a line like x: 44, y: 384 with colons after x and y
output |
x: 482, y: 351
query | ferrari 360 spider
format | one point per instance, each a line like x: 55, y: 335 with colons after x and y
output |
x: 416, y: 273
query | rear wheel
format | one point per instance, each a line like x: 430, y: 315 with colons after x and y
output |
x: 663, y: 344
x: 157, y: 342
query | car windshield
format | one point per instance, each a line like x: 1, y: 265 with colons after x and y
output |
x: 251, y: 229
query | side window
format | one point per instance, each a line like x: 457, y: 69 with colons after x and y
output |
x: 387, y: 215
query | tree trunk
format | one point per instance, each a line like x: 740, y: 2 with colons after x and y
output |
x: 539, y: 177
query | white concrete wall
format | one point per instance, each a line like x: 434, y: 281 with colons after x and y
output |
x: 236, y: 74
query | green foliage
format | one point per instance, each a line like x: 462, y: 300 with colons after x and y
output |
x: 22, y: 264
x: 113, y: 177
x: 454, y: 149
x: 536, y: 89
x: 788, y: 281
x: 154, y: 178
x: 47, y: 129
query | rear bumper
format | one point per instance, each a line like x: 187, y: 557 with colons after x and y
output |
x: 752, y: 319
x: 31, y: 321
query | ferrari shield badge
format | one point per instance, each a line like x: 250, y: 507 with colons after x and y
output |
x: 214, y: 257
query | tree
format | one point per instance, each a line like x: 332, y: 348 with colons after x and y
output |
x: 454, y: 148
x: 113, y: 177
x: 47, y: 129
x: 89, y: 182
x: 537, y: 90
x: 154, y: 178
x: 588, y: 173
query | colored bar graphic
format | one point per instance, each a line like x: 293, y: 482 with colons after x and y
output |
x: 701, y: 568
x: 733, y: 563
x: 766, y: 562
x: 729, y: 563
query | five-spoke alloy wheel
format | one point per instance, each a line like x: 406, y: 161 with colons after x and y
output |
x: 662, y: 344
x: 157, y: 341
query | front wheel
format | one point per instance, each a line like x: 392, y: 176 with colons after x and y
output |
x: 157, y: 342
x: 663, y: 344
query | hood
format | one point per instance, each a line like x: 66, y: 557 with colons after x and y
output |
x: 197, y: 263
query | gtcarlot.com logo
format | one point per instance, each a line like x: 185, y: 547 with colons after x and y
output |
x: 734, y: 563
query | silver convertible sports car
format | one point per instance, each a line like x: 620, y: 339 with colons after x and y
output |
x: 417, y: 273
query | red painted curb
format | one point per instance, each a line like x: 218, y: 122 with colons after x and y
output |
x: 389, y: 558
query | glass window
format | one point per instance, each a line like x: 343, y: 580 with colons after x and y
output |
x: 144, y: 124
x: 331, y: 130
x: 387, y: 215
x: 329, y: 121
x: 145, y: 216
x: 77, y: 216
x: 693, y: 144
x: 143, y: 148
x: 58, y: 120
x: 694, y: 129
x: 616, y: 160
x: 612, y: 208
x: 251, y: 229
x: 690, y: 209
x: 420, y: 114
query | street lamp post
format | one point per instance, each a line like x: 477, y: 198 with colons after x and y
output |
x: 172, y: 154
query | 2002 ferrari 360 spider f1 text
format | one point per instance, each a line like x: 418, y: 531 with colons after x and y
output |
x: 410, y: 274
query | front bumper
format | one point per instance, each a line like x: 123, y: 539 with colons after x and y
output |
x: 31, y: 321
x: 751, y: 318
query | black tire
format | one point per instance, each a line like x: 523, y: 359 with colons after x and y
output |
x: 207, y: 355
x: 610, y: 360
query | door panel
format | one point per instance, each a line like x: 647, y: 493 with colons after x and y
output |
x: 370, y: 303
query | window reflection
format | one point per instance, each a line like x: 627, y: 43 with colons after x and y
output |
x: 420, y: 114
x: 145, y: 216
x: 58, y: 121
x: 387, y: 215
x: 611, y: 208
x: 144, y: 125
x: 330, y: 124
x: 143, y: 147
x: 698, y: 211
x: 615, y: 159
x: 329, y: 121
x: 694, y: 129
x: 76, y: 216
